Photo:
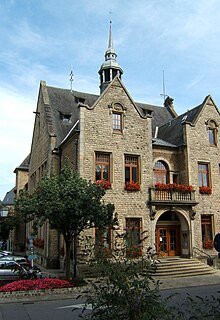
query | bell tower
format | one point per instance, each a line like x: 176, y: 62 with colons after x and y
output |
x: 110, y: 67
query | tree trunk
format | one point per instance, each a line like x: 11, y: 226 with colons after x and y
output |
x: 75, y: 257
x: 68, y: 243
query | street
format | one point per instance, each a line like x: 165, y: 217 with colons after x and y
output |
x: 63, y: 309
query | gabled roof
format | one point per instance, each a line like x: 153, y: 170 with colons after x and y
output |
x: 172, y: 131
x: 24, y: 165
x: 64, y: 109
x: 160, y: 115
x: 9, y: 198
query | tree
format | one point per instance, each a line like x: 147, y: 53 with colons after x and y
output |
x: 6, y: 225
x: 70, y: 204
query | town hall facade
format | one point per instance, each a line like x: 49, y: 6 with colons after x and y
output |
x: 161, y: 170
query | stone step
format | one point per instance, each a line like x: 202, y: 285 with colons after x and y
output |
x: 181, y: 267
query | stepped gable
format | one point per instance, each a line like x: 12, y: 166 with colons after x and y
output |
x: 65, y: 108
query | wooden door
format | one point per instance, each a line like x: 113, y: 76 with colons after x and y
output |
x: 168, y: 240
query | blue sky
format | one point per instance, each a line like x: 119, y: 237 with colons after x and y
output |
x: 41, y: 40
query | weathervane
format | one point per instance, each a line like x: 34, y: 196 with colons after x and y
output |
x: 164, y: 95
x: 71, y: 79
x: 110, y: 15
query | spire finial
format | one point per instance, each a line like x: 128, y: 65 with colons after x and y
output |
x: 71, y: 79
x: 110, y: 43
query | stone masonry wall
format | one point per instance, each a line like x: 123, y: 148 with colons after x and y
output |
x: 200, y: 150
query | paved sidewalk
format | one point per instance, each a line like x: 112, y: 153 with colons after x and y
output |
x: 212, y: 279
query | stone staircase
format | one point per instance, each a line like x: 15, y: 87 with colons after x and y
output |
x: 173, y: 267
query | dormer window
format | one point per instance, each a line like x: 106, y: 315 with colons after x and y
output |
x: 65, y: 117
x: 79, y: 100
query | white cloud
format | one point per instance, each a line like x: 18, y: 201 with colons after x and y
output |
x: 16, y: 126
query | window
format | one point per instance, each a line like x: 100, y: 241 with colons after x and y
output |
x: 133, y: 237
x: 212, y: 136
x: 207, y: 234
x: 102, y: 162
x: 117, y: 121
x: 203, y: 170
x: 103, y: 237
x: 212, y: 132
x: 160, y: 173
x: 131, y: 169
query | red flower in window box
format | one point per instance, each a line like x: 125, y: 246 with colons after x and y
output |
x: 38, y: 243
x: 173, y: 187
x: 205, y: 190
x: 134, y: 252
x: 208, y: 244
x: 103, y: 184
x: 132, y: 186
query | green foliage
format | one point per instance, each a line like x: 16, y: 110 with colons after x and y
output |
x: 70, y: 204
x: 125, y: 288
x: 6, y: 225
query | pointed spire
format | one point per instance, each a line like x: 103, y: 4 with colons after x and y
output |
x: 110, y: 42
x: 110, y: 68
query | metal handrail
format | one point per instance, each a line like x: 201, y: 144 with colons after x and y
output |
x: 202, y: 251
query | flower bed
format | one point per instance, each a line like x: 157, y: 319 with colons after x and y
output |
x: 173, y: 187
x: 38, y: 284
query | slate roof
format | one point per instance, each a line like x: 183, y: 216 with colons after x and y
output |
x: 9, y: 198
x: 65, y: 103
x: 160, y: 115
x: 172, y: 131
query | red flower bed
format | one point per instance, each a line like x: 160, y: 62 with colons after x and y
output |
x: 103, y: 184
x: 132, y: 186
x: 173, y: 187
x: 38, y: 284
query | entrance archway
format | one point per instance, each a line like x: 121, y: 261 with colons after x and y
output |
x: 168, y: 234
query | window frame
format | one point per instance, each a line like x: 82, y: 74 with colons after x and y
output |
x: 103, y: 163
x: 204, y: 179
x: 101, y: 241
x: 212, y: 132
x: 133, y: 233
x: 117, y: 121
x: 160, y: 172
x: 131, y: 167
x: 207, y: 228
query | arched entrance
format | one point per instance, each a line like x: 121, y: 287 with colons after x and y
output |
x: 168, y: 234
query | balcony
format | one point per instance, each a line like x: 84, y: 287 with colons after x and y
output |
x: 171, y: 197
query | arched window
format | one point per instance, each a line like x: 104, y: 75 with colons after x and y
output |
x: 160, y: 172
x: 212, y: 132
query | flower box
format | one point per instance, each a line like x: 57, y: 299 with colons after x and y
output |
x: 39, y: 243
x: 205, y: 190
x: 132, y: 186
x: 173, y: 187
x: 103, y: 184
x: 208, y: 244
x: 134, y: 252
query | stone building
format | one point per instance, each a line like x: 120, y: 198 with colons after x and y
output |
x: 163, y: 169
